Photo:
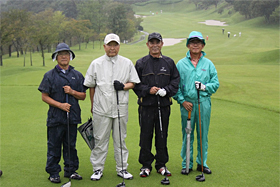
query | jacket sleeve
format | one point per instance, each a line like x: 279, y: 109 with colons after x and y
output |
x: 213, y: 85
x: 173, y: 86
x: 179, y: 95
x: 140, y: 89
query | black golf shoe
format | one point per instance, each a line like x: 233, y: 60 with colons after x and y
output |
x: 74, y: 176
x: 184, y: 171
x: 205, y: 169
x: 55, y: 179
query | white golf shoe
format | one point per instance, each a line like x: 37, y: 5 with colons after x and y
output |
x: 164, y: 171
x: 125, y: 174
x: 96, y: 175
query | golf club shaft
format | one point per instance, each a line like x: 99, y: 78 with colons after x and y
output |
x: 188, y: 131
x: 200, y: 131
x: 117, y: 93
x: 160, y: 122
x: 68, y: 129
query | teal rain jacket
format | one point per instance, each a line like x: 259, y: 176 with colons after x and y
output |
x: 205, y: 72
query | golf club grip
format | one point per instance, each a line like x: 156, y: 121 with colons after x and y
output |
x: 189, y: 114
x: 117, y: 93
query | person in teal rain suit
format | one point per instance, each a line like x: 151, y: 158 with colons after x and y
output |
x: 196, y: 72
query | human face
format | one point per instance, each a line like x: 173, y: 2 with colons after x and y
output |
x: 112, y: 48
x: 155, y: 46
x: 63, y: 59
x: 195, y: 46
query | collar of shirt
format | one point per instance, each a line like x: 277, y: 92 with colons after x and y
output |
x: 112, y: 59
x: 62, y: 70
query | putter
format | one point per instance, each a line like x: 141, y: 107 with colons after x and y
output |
x: 68, y: 184
x: 188, y: 130
x: 159, y: 115
x: 121, y: 184
x: 200, y: 178
x: 165, y: 181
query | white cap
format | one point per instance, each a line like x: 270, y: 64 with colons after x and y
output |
x: 111, y: 37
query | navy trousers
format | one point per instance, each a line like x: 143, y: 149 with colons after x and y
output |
x: 58, y: 138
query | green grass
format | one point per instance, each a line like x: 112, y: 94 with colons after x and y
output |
x: 244, y: 130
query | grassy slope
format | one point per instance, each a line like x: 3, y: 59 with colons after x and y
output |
x: 244, y: 132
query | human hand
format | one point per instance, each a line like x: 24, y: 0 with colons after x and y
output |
x: 161, y: 92
x: 118, y: 85
x: 154, y: 90
x: 187, y: 105
x: 68, y: 90
x: 200, y: 86
x: 65, y: 107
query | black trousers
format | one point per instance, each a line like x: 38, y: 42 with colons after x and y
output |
x: 149, y: 123
x: 58, y: 137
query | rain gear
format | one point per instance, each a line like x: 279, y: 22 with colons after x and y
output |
x: 206, y: 73
x: 101, y: 75
x: 160, y: 72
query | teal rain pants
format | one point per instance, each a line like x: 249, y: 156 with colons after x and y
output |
x: 205, y: 111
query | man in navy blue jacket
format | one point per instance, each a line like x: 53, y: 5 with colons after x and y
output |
x: 62, y: 88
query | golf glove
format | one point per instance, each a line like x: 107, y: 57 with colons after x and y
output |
x: 118, y: 85
x: 161, y: 92
x: 200, y: 86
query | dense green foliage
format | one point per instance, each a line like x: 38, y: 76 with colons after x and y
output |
x: 27, y: 25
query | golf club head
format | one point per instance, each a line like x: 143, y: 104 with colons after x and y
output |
x: 165, y: 181
x: 200, y: 178
x: 67, y: 184
x: 121, y: 185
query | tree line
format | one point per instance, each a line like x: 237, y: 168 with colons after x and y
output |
x: 37, y: 25
x: 269, y: 9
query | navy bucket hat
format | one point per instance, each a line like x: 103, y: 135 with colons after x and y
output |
x: 63, y: 47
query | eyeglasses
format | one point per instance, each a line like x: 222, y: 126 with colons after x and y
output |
x: 64, y: 53
x: 196, y: 42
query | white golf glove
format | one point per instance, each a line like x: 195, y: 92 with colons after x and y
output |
x: 200, y: 86
x: 161, y: 92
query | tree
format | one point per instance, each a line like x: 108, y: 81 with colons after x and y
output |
x: 243, y: 7
x: 263, y: 8
x: 6, y: 33
x: 93, y: 10
x: 80, y: 29
x: 196, y: 2
x: 45, y: 32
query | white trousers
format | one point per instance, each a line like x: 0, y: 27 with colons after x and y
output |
x: 102, y: 127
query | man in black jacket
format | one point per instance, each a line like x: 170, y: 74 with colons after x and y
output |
x: 159, y: 82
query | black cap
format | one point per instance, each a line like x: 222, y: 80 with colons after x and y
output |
x: 63, y: 47
x: 154, y: 35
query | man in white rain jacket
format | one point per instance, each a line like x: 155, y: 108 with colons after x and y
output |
x: 104, y: 76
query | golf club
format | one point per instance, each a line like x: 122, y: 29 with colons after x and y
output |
x: 188, y: 130
x: 121, y: 184
x: 68, y: 184
x: 159, y: 115
x: 165, y: 181
x: 200, y: 178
